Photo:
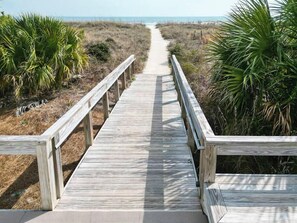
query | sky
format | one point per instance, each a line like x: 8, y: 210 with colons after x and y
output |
x: 108, y: 8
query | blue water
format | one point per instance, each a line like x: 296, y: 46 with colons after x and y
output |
x: 145, y: 20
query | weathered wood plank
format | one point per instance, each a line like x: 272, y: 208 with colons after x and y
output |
x: 16, y: 145
x: 139, y: 147
x: 273, y: 209
x: 106, y: 106
x: 250, y: 197
x: 163, y: 156
x: 253, y: 141
x: 88, y: 130
x: 278, y: 187
x: 58, y: 170
x: 257, y: 150
x: 46, y: 176
x: 82, y: 205
x: 139, y: 139
x: 117, y: 90
x: 130, y: 200
x: 153, y: 174
x: 166, y: 181
x: 95, y: 185
x: 186, y: 194
x: 214, y: 202
x: 124, y: 81
x: 263, y: 217
x: 259, y: 179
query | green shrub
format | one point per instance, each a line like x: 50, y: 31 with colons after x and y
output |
x: 100, y: 50
x: 188, y: 68
x: 255, y: 74
x: 176, y: 50
x: 38, y: 53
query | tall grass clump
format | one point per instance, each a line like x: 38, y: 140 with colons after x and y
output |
x: 255, y: 74
x: 37, y: 54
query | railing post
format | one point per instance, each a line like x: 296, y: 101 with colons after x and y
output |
x: 183, y: 111
x: 208, y: 165
x: 46, y: 175
x: 133, y: 68
x: 130, y: 72
x: 124, y: 82
x: 57, y: 157
x: 106, y: 105
x: 191, y: 140
x: 179, y: 98
x: 88, y: 130
x: 116, y: 90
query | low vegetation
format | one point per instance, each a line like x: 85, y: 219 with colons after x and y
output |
x: 255, y: 73
x: 19, y: 187
x: 37, y: 54
x: 243, y: 73
x: 101, y: 51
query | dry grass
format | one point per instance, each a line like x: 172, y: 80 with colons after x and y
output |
x: 19, y: 186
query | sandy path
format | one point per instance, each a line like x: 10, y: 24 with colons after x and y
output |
x: 157, y: 62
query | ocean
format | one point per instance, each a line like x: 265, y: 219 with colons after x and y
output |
x: 145, y: 20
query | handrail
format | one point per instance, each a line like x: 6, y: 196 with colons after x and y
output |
x: 254, y: 145
x: 47, y: 146
x: 253, y: 140
x: 14, y: 145
x: 196, y: 115
x: 211, y: 145
x: 200, y: 123
x: 69, y: 121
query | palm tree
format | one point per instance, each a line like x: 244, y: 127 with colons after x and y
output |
x: 38, y: 53
x: 255, y: 78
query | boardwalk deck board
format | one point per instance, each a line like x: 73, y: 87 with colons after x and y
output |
x: 258, y: 198
x: 142, y: 148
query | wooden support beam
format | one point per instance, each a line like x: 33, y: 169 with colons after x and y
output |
x: 211, y: 164
x: 191, y: 140
x: 116, y: 90
x: 57, y: 157
x: 201, y: 172
x: 88, y: 130
x: 130, y: 73
x: 106, y: 105
x: 133, y: 68
x: 208, y: 165
x: 46, y: 176
x: 124, y: 81
x: 183, y: 111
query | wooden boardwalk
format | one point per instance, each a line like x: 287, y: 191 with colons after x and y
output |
x: 139, y: 168
x: 140, y: 159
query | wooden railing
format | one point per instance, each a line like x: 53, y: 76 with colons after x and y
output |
x: 47, y: 147
x: 201, y: 136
